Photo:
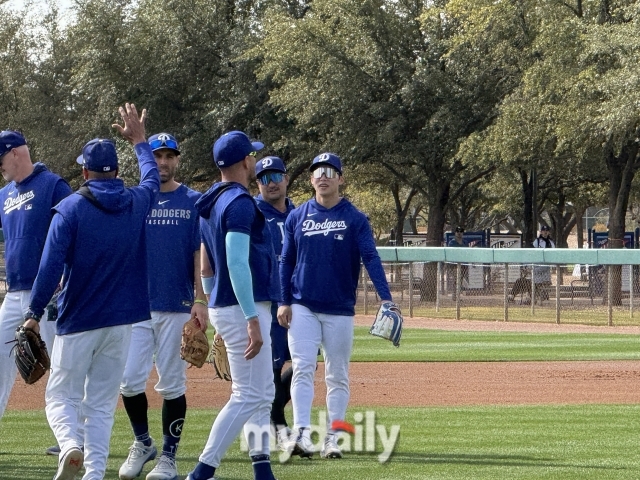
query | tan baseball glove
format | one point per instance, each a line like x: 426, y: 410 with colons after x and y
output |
x: 195, y: 346
x: 220, y: 359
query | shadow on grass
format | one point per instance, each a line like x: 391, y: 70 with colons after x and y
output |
x: 491, y: 460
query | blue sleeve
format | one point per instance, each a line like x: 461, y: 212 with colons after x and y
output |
x: 51, y: 263
x: 237, y: 246
x: 287, y: 261
x: 61, y: 191
x: 240, y: 214
x: 149, y: 176
x: 371, y: 260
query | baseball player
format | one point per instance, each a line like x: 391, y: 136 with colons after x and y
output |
x: 173, y: 255
x: 275, y: 206
x: 97, y: 238
x: 325, y: 238
x: 27, y: 199
x: 238, y: 245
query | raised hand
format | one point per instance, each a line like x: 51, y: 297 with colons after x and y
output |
x: 133, y: 129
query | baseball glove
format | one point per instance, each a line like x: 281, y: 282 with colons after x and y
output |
x: 195, y: 346
x: 220, y: 359
x: 388, y: 323
x: 32, y: 358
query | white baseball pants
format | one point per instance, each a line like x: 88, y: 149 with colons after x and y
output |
x: 12, y: 311
x: 82, y: 392
x: 307, y: 332
x: 252, y: 389
x: 161, y: 336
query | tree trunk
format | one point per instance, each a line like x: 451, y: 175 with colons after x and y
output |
x: 529, y: 229
x: 435, y: 231
x: 580, y: 226
x: 401, y: 210
x: 621, y: 172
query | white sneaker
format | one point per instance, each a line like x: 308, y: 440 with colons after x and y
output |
x: 70, y: 464
x: 303, y: 445
x: 165, y: 469
x: 139, y: 454
x: 282, y: 437
x: 330, y: 447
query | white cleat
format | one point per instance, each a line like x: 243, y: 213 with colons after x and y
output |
x: 330, y: 447
x: 165, y: 469
x: 70, y: 464
x: 139, y: 454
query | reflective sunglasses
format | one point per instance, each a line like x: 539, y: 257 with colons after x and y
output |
x: 155, y: 144
x: 267, y: 178
x: 253, y: 154
x: 328, y: 172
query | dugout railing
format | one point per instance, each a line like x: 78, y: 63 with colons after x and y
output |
x: 596, y: 286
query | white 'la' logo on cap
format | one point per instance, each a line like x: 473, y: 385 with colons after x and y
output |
x: 163, y: 137
x: 267, y: 162
x: 324, y: 157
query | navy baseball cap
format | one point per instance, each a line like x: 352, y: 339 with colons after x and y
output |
x: 327, y: 159
x: 10, y: 139
x: 270, y: 164
x: 163, y: 140
x: 233, y: 147
x: 99, y: 155
x: 545, y: 228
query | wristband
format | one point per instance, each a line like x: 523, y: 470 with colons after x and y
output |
x: 31, y: 315
x: 207, y: 285
x: 202, y: 302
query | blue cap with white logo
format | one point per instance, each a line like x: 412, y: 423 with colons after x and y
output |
x: 270, y: 164
x: 99, y: 155
x: 10, y: 139
x: 163, y: 140
x: 327, y: 159
x: 233, y: 147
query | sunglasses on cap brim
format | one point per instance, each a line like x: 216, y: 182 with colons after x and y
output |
x: 328, y: 172
x: 155, y: 144
x: 274, y: 177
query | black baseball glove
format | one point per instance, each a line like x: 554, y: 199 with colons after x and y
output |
x: 32, y: 358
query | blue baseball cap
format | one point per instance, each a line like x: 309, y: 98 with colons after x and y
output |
x: 163, y: 140
x: 327, y: 159
x: 270, y: 164
x: 233, y: 147
x: 99, y: 155
x: 10, y: 139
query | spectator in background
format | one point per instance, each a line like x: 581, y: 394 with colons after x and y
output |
x: 458, y: 239
x: 542, y: 273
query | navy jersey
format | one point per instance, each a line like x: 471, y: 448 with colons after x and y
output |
x: 228, y: 207
x: 26, y: 214
x: 173, y: 236
x: 275, y: 221
x: 320, y: 265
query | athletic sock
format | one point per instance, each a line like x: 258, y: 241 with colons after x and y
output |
x: 173, y: 413
x: 203, y: 472
x: 280, y: 399
x: 261, y: 467
x: 136, y: 408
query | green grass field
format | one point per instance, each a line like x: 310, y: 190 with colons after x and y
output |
x: 484, y: 442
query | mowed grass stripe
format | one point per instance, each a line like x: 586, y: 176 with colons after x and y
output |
x: 523, y: 442
x: 422, y: 345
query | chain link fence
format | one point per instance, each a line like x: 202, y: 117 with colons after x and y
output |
x: 585, y: 294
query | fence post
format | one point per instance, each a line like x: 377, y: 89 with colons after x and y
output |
x: 631, y: 291
x: 438, y: 286
x: 505, y: 292
x: 458, y: 288
x: 410, y: 289
x: 533, y: 291
x: 558, y: 278
x: 609, y: 296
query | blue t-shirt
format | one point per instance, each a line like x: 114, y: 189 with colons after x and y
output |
x: 228, y: 207
x: 25, y: 216
x: 275, y: 221
x: 320, y: 265
x: 173, y: 237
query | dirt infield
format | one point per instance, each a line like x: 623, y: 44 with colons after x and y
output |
x: 439, y: 383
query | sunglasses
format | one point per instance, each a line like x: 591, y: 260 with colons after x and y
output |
x: 267, y: 178
x: 252, y: 154
x: 155, y: 144
x: 328, y: 172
